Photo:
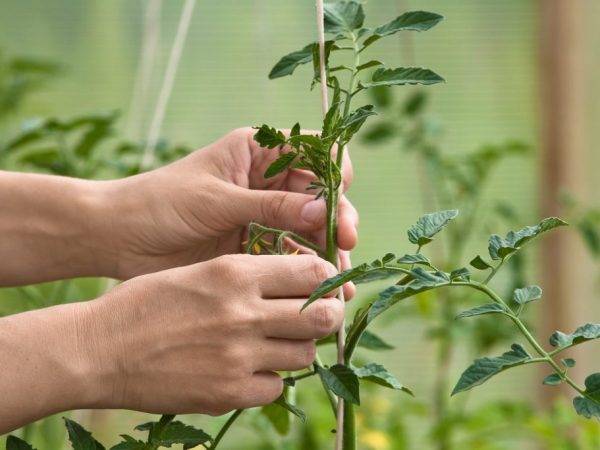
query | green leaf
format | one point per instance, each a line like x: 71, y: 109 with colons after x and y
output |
x: 414, y: 259
x: 500, y: 248
x: 582, y: 334
x: 280, y: 164
x: 288, y: 63
x: 80, y: 438
x: 372, y: 63
x: 527, y: 294
x: 422, y: 232
x: 553, y: 379
x: 343, y: 16
x: 479, y: 263
x: 269, y: 137
x: 354, y: 122
x: 462, y: 274
x: 176, y: 432
x: 409, y: 21
x: 371, y: 341
x: 14, y: 443
x: 130, y: 443
x: 283, y: 403
x: 589, y: 406
x: 490, y: 308
x: 568, y: 362
x: 485, y: 368
x: 378, y: 374
x: 401, y: 76
x: 278, y: 417
x: 342, y: 381
x: 100, y: 129
x: 421, y: 281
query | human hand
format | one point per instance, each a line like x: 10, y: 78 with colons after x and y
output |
x: 209, y: 337
x: 199, y: 207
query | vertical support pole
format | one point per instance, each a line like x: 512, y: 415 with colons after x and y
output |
x: 567, y: 272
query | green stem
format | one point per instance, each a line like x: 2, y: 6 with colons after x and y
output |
x: 225, y: 427
x: 349, y: 441
x: 289, y: 234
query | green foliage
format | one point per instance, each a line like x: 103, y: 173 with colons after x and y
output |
x: 588, y: 405
x: 402, y: 76
x: 15, y: 443
x: 378, y: 374
x: 342, y: 381
x: 527, y: 294
x: 410, y: 21
x: 80, y: 438
x: 483, y: 369
x: 343, y: 16
x: 582, y: 334
x: 422, y: 232
x: 488, y: 308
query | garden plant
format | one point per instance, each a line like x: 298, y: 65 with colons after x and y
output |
x: 411, y: 274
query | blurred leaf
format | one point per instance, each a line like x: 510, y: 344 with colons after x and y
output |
x: 269, y: 137
x: 342, y: 381
x: 80, y: 438
x: 415, y: 103
x: 14, y: 443
x: 280, y: 164
x: 371, y: 341
x: 553, y: 379
x: 414, y: 259
x: 130, y: 443
x: 422, y: 232
x: 167, y: 432
x: 283, y: 403
x: 500, y: 248
x: 372, y: 63
x: 343, y: 16
x: 381, y: 96
x: 584, y: 333
x: 379, y: 132
x: 485, y: 368
x: 401, y: 76
x: 568, y: 362
x: 409, y: 21
x: 489, y: 308
x: 589, y: 406
x: 479, y: 263
x: 462, y: 274
x: 100, y: 128
x: 527, y: 294
x: 378, y: 374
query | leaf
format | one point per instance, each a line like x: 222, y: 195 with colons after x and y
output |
x: 280, y: 164
x: 269, y: 137
x: 101, y: 128
x: 176, y: 432
x: 490, y: 308
x: 342, y: 381
x: 485, y: 368
x: 479, y: 263
x: 527, y: 294
x: 460, y: 274
x: 401, y: 76
x: 422, y: 232
x: 583, y: 333
x: 415, y: 103
x: 589, y: 406
x: 421, y: 281
x: 80, y: 438
x: 553, y: 379
x: 378, y: 374
x: 371, y: 341
x: 372, y: 63
x: 14, y: 443
x: 500, y: 248
x: 409, y: 21
x: 283, y: 403
x: 130, y: 443
x: 568, y: 362
x: 278, y: 414
x: 354, y: 122
x: 343, y: 16
x: 288, y: 63
x: 414, y: 259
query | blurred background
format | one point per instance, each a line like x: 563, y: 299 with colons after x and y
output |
x: 510, y: 138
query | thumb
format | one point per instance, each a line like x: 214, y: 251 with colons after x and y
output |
x: 284, y: 210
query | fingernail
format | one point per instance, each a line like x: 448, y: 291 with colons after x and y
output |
x: 313, y: 211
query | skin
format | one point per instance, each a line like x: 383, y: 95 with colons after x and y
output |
x: 196, y: 327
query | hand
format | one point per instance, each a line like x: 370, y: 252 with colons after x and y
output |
x: 208, y: 338
x: 199, y: 207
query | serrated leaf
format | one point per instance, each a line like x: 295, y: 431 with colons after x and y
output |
x: 527, y: 294
x: 414, y: 259
x: 420, y: 281
x: 288, y: 63
x: 15, y: 443
x: 371, y: 341
x: 460, y: 274
x: 378, y: 374
x: 269, y: 137
x: 342, y: 381
x: 589, y: 406
x: 402, y: 76
x: 176, y: 432
x: 485, y: 368
x: 490, y: 308
x: 427, y: 226
x: 280, y: 164
x: 343, y: 16
x: 80, y: 438
x: 584, y: 333
x: 479, y: 263
x: 409, y: 21
x: 553, y: 379
x: 129, y: 443
x: 350, y: 126
x: 568, y: 362
x: 500, y: 248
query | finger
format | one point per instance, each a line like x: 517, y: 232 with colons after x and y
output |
x: 284, y: 318
x: 345, y: 264
x: 290, y: 276
x: 347, y: 225
x: 263, y: 388
x: 280, y: 209
x: 285, y: 354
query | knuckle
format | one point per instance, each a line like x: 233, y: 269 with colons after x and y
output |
x: 322, y: 270
x: 273, y: 391
x: 274, y: 204
x: 310, y: 351
x: 327, y: 316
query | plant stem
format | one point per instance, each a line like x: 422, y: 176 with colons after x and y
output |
x: 330, y: 396
x: 225, y: 427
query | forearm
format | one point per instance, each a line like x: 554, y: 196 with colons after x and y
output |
x: 45, y: 367
x: 52, y: 228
